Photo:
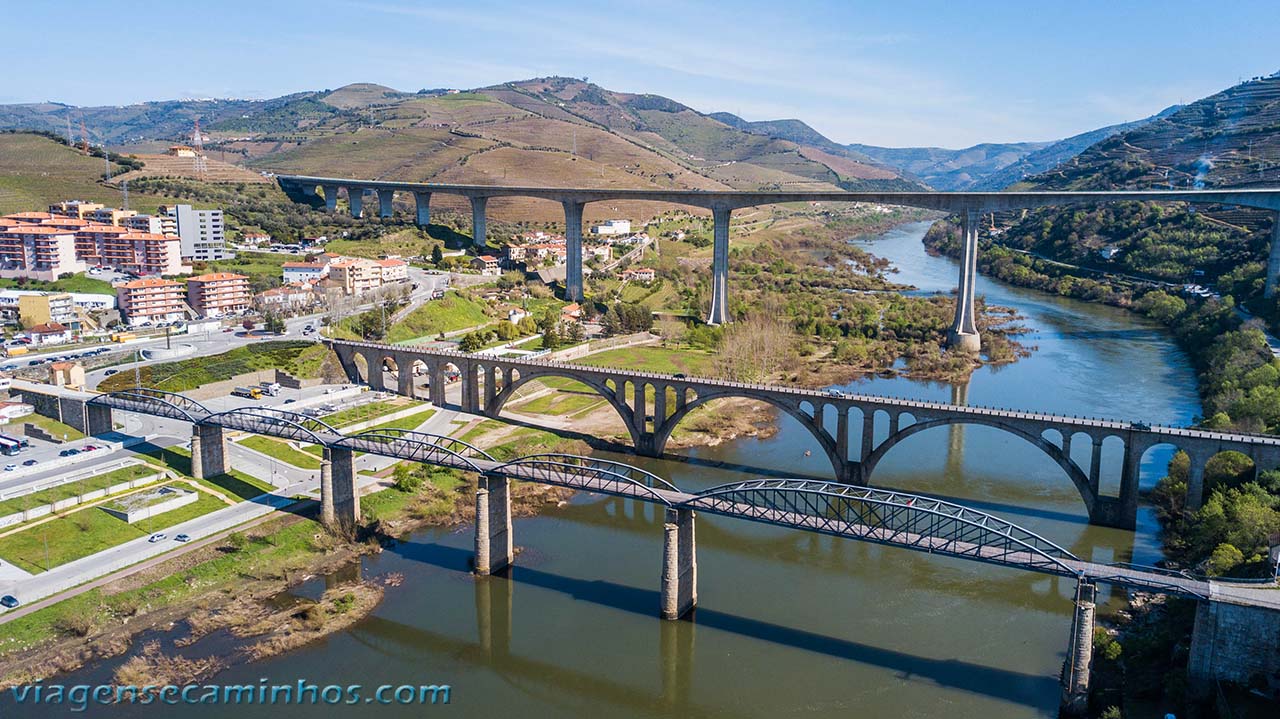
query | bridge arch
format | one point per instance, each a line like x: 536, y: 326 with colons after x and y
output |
x: 663, y: 429
x: 1073, y: 470
x: 153, y: 401
x: 272, y: 422
x: 616, y: 399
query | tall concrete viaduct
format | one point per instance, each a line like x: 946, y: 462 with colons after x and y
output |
x: 970, y: 205
x: 651, y: 405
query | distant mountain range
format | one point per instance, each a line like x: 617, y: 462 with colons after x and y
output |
x: 559, y: 130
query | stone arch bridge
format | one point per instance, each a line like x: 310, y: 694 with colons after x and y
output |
x: 651, y: 405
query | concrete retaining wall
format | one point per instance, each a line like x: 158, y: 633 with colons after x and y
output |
x: 580, y: 351
x: 44, y: 509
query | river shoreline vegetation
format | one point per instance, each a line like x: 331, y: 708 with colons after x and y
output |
x: 1144, y: 657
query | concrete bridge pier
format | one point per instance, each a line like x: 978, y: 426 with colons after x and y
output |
x: 679, y: 565
x: 331, y: 197
x: 719, y: 266
x: 494, y: 550
x: 208, y: 451
x: 339, y: 500
x: 355, y: 199
x: 1195, y: 480
x: 1075, y: 671
x: 479, y: 233
x: 422, y: 202
x: 1273, y: 259
x: 573, y: 246
x: 963, y: 334
x: 385, y: 206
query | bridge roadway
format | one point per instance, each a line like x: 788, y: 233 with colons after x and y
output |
x: 879, y: 516
x: 915, y: 522
x: 652, y: 404
x: 721, y: 203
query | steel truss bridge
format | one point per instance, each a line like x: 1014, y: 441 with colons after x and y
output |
x: 899, y: 519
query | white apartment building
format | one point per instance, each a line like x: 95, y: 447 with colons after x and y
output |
x: 202, y: 231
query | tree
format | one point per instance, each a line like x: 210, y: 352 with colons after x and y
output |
x: 471, y: 342
x: 437, y: 255
x: 248, y: 325
x: 407, y: 477
x: 575, y: 333
x: 273, y: 322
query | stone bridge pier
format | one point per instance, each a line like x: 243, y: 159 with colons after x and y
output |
x: 679, y: 593
x: 1075, y: 670
x: 339, y: 498
x: 208, y: 451
x: 494, y: 549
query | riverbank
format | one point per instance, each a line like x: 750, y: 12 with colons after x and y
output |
x: 236, y: 585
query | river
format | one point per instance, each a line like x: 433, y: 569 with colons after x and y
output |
x: 788, y: 623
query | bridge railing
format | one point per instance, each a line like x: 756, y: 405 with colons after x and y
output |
x: 588, y: 473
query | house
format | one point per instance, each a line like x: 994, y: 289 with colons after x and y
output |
x: 66, y: 374
x: 515, y: 315
x: 571, y: 312
x: 486, y: 264
x: 1108, y: 252
x: 292, y: 272
x: 10, y: 411
x: 50, y: 333
x: 639, y: 274
x: 287, y: 297
x: 599, y: 252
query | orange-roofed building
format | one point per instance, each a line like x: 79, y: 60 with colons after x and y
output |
x: 38, y: 252
x: 218, y: 294
x: 151, y: 300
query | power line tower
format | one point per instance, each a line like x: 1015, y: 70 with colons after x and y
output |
x: 70, y: 138
x: 198, y: 145
x: 84, y: 137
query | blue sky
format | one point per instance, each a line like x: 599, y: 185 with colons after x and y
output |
x: 893, y: 73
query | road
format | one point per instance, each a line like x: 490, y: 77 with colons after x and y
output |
x: 294, y: 482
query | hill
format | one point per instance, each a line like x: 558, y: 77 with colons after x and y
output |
x: 36, y: 171
x: 557, y: 131
x: 1229, y: 139
x: 952, y: 170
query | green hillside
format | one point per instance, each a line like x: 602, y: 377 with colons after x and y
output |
x: 36, y: 171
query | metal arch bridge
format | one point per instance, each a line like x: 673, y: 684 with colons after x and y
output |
x: 879, y: 516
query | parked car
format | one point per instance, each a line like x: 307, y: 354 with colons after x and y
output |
x: 30, y: 463
x: 69, y: 453
x: 89, y: 448
x: 10, y: 467
x: 110, y: 372
x: 9, y: 601
x: 157, y: 537
x: 290, y: 401
x: 182, y: 538
x: 1140, y: 426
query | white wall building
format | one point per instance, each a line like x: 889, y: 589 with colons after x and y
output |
x: 612, y: 227
x: 203, y: 234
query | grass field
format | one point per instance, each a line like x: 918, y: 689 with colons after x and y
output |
x: 654, y: 359
x: 281, y: 451
x: 235, y: 485
x: 89, y: 531
x: 73, y: 489
x: 367, y: 411
x: 253, y: 264
x: 75, y: 283
x: 301, y: 359
x: 53, y: 427
x: 446, y: 315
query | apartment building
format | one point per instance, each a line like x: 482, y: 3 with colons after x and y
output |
x: 202, y: 231
x: 75, y: 208
x: 356, y: 275
x: 37, y: 252
x: 154, y: 224
x: 218, y: 294
x: 46, y: 307
x: 304, y: 271
x: 151, y: 300
x: 128, y: 250
x: 394, y: 269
